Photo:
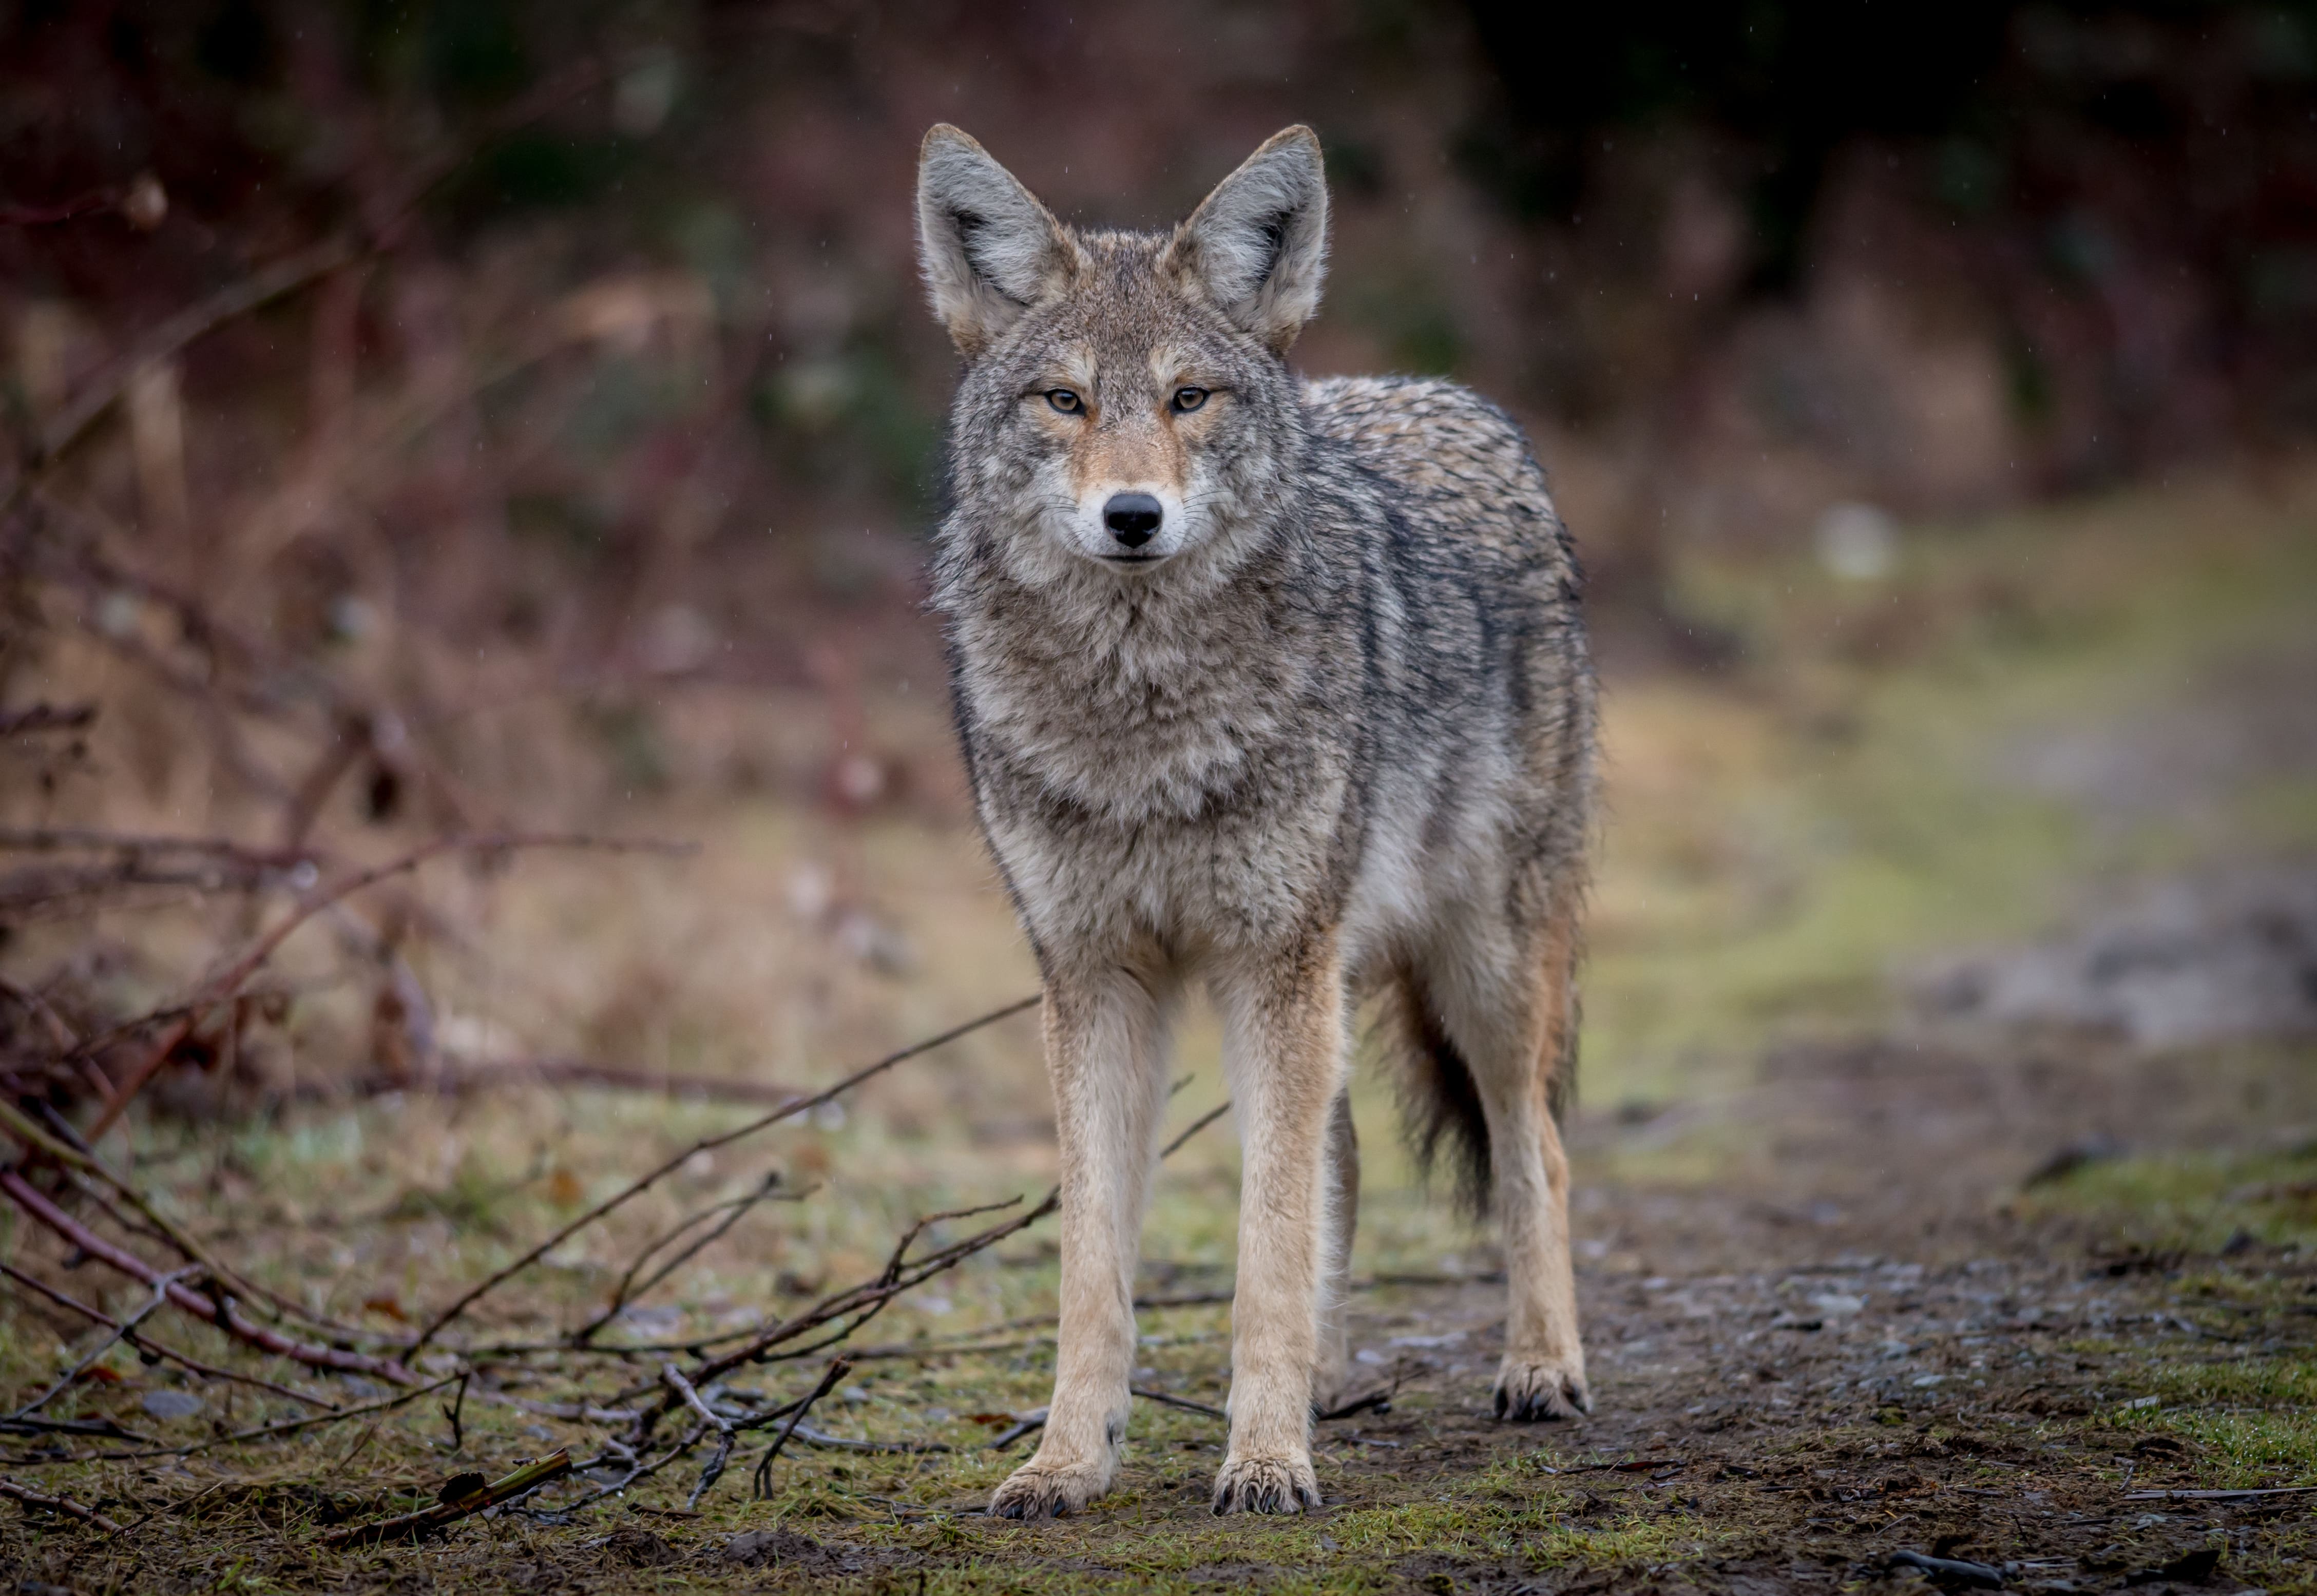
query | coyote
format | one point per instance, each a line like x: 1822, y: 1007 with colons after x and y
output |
x: 1281, y: 687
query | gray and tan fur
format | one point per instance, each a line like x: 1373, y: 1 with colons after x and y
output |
x: 1309, y: 720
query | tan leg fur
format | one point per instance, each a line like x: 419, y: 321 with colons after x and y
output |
x: 1106, y: 1040
x: 1284, y: 1056
x: 1543, y: 1375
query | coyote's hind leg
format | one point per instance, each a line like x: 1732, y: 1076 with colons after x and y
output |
x: 1511, y: 1017
x: 1331, y: 1370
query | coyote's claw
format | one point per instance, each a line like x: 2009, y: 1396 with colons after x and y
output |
x: 1532, y: 1391
x: 1265, y: 1485
x: 1034, y: 1492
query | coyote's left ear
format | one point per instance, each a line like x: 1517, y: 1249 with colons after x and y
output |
x: 1258, y: 245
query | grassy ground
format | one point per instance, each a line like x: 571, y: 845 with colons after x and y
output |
x: 1828, y: 1320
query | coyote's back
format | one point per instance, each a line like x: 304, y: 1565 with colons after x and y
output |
x: 1277, y: 688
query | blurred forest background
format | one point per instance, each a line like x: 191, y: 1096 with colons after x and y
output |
x: 508, y: 428
x: 490, y: 417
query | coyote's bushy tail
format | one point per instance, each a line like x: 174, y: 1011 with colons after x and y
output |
x: 1439, y: 1102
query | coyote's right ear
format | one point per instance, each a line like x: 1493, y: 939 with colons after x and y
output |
x: 988, y: 250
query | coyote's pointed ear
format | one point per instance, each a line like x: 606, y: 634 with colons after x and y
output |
x: 988, y: 248
x: 1258, y: 245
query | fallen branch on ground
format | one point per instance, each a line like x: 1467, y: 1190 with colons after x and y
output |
x: 467, y: 1495
x: 256, y: 1433
x: 628, y: 1289
x: 761, y: 1475
x: 636, y: 1188
x: 218, y: 1311
x: 147, y: 1346
x: 458, y: 1075
x: 120, y: 1332
x: 229, y: 981
x: 58, y: 1504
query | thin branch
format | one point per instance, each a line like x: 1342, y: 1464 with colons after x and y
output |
x: 638, y: 1470
x: 229, y: 981
x: 1193, y: 1127
x: 218, y: 1311
x: 271, y: 282
x: 715, y: 1421
x: 146, y: 1345
x: 83, y: 1163
x: 1185, y: 1403
x: 626, y: 1291
x: 120, y: 1332
x: 256, y: 1432
x: 634, y: 1189
x: 838, y: 1368
x: 58, y: 1504
x: 451, y: 1509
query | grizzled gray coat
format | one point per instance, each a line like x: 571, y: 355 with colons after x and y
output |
x: 1275, y: 687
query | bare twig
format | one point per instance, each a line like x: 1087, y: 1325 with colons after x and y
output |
x: 628, y: 1291
x: 634, y: 1189
x: 477, y: 1496
x: 638, y: 1470
x: 256, y: 1433
x: 715, y: 1421
x: 1028, y: 1423
x: 472, y: 1075
x: 456, y: 1413
x: 1193, y: 1127
x: 58, y: 1504
x: 229, y: 981
x: 1185, y: 1403
x: 82, y: 1164
x: 121, y: 1332
x: 838, y: 1368
x: 146, y: 1344
x: 218, y: 1311
x: 855, y: 1307
x: 293, y: 272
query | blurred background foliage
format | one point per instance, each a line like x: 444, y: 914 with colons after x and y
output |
x: 595, y: 470
x: 1736, y: 263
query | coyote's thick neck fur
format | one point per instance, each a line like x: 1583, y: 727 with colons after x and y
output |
x: 1281, y: 687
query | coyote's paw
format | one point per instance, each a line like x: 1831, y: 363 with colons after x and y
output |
x: 1266, y: 1485
x: 1546, y: 1389
x: 1048, y: 1490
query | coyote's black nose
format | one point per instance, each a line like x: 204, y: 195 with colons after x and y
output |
x: 1132, y: 518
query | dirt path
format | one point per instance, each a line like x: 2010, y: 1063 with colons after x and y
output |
x: 1861, y: 1339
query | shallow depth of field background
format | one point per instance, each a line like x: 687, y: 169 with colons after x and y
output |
x: 1930, y: 398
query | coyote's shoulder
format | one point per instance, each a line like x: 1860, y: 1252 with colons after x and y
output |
x: 1460, y: 457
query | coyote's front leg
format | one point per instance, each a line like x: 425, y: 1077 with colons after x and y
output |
x: 1104, y: 1038
x: 1283, y: 1053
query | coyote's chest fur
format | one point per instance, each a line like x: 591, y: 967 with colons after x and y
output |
x: 1150, y: 768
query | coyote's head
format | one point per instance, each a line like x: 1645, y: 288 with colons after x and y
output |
x: 1126, y: 398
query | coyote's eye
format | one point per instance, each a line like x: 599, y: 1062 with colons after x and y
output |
x: 1064, y: 400
x: 1187, y: 399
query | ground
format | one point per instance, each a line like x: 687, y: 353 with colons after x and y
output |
x: 1883, y: 1246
